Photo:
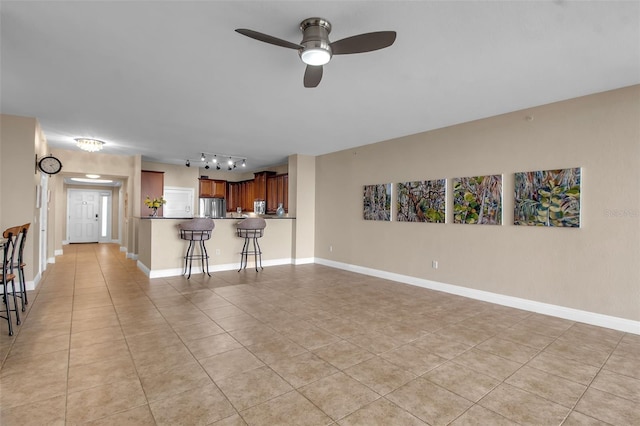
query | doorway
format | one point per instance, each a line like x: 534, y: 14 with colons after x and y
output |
x: 44, y: 214
x: 89, y: 216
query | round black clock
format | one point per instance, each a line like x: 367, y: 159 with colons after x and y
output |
x: 50, y: 165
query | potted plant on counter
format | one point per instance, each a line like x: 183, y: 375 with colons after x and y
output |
x: 154, y: 204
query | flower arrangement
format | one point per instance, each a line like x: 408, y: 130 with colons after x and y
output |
x: 154, y: 203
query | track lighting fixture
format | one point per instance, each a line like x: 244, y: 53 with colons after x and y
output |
x: 207, y: 160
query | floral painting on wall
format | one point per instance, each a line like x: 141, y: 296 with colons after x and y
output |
x: 548, y: 198
x: 377, y: 202
x: 421, y: 201
x: 478, y: 200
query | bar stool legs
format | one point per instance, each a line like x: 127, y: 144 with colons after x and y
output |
x: 250, y: 229
x: 20, y: 264
x: 203, y: 257
x: 252, y: 234
x: 8, y: 255
x: 7, y: 310
x: 198, y: 229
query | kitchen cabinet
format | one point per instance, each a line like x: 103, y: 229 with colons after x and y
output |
x: 233, y: 196
x: 240, y: 194
x: 151, y: 185
x: 260, y: 185
x: 277, y: 192
x: 211, y: 188
x: 247, y: 195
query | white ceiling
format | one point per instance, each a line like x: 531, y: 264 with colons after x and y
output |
x: 169, y: 80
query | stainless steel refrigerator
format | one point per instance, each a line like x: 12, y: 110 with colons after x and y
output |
x: 213, y: 207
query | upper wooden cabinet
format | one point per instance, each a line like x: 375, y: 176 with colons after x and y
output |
x: 211, y: 188
x: 151, y: 185
x: 277, y: 192
x: 260, y: 185
x: 267, y: 186
x: 240, y: 194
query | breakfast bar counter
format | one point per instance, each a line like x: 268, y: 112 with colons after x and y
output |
x: 161, y: 251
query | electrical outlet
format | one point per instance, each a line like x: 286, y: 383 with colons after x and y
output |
x: 217, y: 252
x: 434, y: 264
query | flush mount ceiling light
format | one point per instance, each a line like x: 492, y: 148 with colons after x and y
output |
x: 208, y: 160
x: 91, y: 145
x: 91, y: 180
x: 90, y: 176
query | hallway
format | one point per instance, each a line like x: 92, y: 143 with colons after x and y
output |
x: 103, y: 344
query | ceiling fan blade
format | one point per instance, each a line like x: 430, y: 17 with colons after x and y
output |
x: 312, y: 76
x: 363, y: 42
x: 268, y: 39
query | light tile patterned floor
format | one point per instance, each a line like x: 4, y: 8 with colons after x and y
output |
x: 298, y: 345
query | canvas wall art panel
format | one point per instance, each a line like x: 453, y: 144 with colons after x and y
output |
x: 548, y: 198
x: 377, y: 202
x: 421, y: 201
x: 478, y: 200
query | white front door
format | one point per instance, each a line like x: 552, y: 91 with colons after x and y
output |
x: 84, y: 216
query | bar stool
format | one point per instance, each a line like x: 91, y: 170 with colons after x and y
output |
x: 10, y: 236
x: 251, y: 228
x: 196, y: 230
x: 20, y: 264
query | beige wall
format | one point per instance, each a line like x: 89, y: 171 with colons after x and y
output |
x: 593, y: 268
x: 180, y: 176
x: 108, y: 166
x: 20, y: 141
x: 302, y: 205
x: 162, y: 250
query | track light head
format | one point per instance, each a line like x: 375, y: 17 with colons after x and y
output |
x: 202, y: 157
x: 217, y: 166
x: 188, y: 163
x: 207, y: 166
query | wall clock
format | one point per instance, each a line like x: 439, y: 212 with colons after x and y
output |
x: 50, y: 165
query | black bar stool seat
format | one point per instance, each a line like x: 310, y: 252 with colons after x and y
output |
x: 251, y: 229
x: 196, y: 231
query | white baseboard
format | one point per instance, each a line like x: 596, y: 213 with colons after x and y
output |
x: 123, y: 249
x: 587, y: 317
x: 304, y: 261
x: 58, y: 253
x: 132, y: 256
x: 197, y: 269
x: 32, y: 285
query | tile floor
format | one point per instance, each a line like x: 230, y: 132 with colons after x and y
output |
x: 298, y: 345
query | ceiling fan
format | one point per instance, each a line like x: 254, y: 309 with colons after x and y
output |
x: 316, y: 50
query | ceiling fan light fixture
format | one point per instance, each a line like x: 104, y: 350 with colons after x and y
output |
x: 315, y: 56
